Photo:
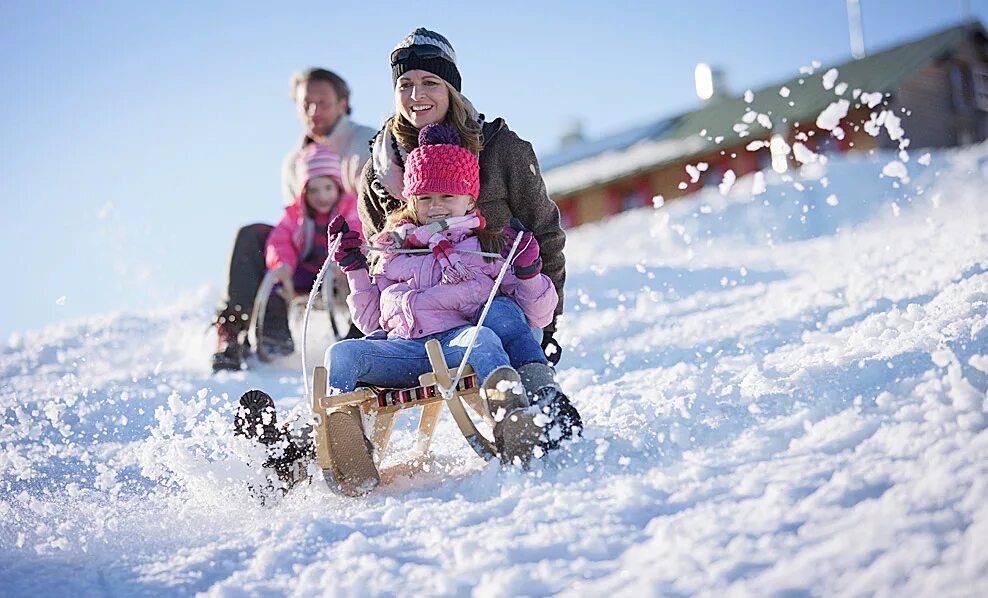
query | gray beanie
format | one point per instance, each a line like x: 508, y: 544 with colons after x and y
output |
x: 428, y: 51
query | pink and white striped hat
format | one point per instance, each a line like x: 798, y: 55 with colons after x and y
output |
x: 317, y: 160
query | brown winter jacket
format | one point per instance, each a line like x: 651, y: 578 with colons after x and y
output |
x: 511, y: 185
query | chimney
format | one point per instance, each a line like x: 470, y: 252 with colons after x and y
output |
x: 572, y: 134
x: 854, y: 28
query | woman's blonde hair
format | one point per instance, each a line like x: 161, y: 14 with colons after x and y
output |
x: 491, y: 240
x: 457, y: 116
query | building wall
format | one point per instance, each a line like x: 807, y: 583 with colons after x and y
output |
x: 944, y: 104
x: 942, y: 100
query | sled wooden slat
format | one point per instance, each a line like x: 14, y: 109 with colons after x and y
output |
x: 382, y: 405
x: 319, y: 379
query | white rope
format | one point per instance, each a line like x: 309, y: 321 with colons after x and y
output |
x: 447, y: 393
x: 308, y: 308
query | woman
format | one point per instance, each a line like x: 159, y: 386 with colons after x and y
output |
x: 427, y: 90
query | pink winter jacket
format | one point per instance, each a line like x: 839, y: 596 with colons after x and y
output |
x: 294, y: 236
x: 406, y: 298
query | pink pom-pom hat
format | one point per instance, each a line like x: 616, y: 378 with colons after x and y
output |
x: 441, y: 165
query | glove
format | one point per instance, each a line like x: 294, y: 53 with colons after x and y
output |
x: 348, y: 254
x: 553, y: 352
x: 527, y: 263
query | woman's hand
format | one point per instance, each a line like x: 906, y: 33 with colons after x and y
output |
x: 527, y: 262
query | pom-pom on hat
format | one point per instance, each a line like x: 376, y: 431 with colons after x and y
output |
x: 440, y: 164
x: 315, y: 160
x: 427, y: 51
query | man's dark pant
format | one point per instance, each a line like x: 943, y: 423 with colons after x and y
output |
x: 247, y: 270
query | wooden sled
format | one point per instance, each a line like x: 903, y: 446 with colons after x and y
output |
x: 385, y: 404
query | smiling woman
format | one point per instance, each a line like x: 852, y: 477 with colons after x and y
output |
x: 427, y: 90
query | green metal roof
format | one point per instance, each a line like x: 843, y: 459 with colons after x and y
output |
x: 883, y: 71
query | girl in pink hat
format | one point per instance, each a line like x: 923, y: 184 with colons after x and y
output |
x: 298, y: 244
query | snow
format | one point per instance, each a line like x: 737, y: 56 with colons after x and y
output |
x: 832, y: 115
x: 784, y: 395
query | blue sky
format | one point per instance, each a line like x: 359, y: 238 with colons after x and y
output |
x: 136, y: 137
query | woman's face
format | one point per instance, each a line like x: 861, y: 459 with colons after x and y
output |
x: 431, y: 207
x: 421, y: 97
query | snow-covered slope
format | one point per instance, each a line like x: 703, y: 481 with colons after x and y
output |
x: 784, y: 393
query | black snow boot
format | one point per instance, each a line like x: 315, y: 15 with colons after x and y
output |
x: 544, y: 392
x: 231, y: 347
x: 289, y: 457
x: 276, y: 336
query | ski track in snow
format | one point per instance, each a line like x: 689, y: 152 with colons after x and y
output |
x: 783, y: 394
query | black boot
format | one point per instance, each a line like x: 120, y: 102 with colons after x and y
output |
x: 231, y: 347
x: 257, y: 419
x: 540, y: 384
x: 276, y: 336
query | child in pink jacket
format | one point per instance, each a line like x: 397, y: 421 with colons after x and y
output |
x: 299, y: 243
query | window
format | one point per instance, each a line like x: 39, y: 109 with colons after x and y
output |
x: 631, y: 199
x: 960, y: 87
x: 980, y: 77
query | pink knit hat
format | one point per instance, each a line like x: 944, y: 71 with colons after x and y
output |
x: 441, y: 165
x: 315, y: 160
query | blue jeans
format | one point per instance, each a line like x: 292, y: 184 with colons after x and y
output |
x: 521, y: 342
x: 397, y: 362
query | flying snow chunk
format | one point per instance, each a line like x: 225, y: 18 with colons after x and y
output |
x: 832, y: 115
x: 658, y: 201
x: 829, y: 78
x: 758, y: 184
x: 803, y: 154
x: 840, y: 89
x: 896, y: 169
x: 694, y: 171
x: 894, y: 127
x: 749, y: 97
x: 727, y: 182
x: 756, y: 145
x: 924, y: 159
x: 832, y: 200
x: 872, y: 99
x: 784, y: 91
x: 765, y: 121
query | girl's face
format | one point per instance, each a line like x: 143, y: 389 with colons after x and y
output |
x: 421, y: 97
x: 430, y: 207
x: 322, y: 194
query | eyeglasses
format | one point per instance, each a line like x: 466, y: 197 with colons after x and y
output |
x: 424, y: 52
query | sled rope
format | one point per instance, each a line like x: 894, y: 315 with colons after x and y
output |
x: 306, y: 389
x: 427, y: 250
x: 447, y: 393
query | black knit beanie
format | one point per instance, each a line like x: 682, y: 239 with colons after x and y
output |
x: 428, y: 51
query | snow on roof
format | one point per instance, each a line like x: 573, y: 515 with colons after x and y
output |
x: 616, y: 163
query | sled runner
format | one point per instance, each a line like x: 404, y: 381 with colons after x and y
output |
x: 332, y: 299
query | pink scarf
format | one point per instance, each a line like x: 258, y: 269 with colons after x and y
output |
x: 413, y: 236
